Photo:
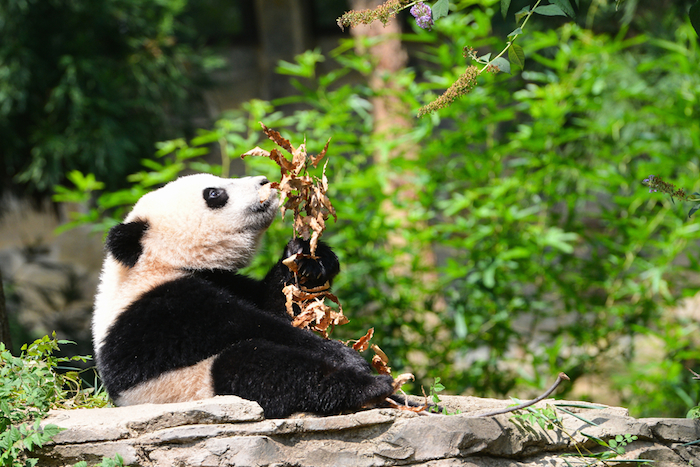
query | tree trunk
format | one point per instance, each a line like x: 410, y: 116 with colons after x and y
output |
x: 283, y: 29
x: 393, y: 119
x: 391, y: 115
x: 4, y: 323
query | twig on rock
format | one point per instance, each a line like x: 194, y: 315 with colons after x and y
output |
x: 546, y: 394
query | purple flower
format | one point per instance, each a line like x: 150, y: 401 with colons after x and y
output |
x: 423, y: 15
x: 650, y: 182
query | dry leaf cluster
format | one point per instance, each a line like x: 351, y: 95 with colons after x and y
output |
x: 299, y: 191
x: 306, y: 197
x: 315, y: 314
x: 380, y: 361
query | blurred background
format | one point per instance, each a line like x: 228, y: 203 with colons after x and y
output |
x: 492, y: 244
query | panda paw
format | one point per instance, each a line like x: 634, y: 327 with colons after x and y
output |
x: 347, y: 390
x: 381, y: 387
x: 313, y: 271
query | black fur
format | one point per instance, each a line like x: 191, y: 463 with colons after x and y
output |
x: 216, y: 198
x: 313, y: 273
x: 124, y: 242
x: 261, y: 356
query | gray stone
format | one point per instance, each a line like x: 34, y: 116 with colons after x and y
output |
x: 109, y: 424
x: 681, y: 429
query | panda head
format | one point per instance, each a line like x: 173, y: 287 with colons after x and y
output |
x: 193, y: 223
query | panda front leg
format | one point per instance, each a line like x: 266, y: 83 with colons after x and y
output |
x: 285, y: 379
x: 312, y: 272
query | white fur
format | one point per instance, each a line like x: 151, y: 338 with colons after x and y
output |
x: 183, y: 234
x: 186, y: 384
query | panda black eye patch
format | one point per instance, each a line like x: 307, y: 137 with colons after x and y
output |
x: 215, y: 197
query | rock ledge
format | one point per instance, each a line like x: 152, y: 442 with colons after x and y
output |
x: 230, y: 431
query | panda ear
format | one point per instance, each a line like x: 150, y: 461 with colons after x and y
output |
x: 124, y: 241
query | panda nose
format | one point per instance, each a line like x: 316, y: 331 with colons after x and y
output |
x: 263, y: 181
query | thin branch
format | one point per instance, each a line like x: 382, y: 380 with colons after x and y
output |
x: 510, y: 42
x: 546, y: 394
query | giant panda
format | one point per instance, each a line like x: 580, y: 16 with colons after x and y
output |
x: 174, y: 321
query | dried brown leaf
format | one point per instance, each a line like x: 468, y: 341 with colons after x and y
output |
x: 321, y: 289
x: 289, y: 292
x: 316, y: 159
x: 363, y: 343
x: 323, y: 316
x: 380, y: 361
x: 409, y: 408
x: 277, y: 138
x: 314, y: 240
x: 304, y: 319
x: 256, y: 151
x: 291, y: 263
x: 380, y: 353
x: 380, y: 366
x: 299, y: 158
x: 334, y: 299
x: 402, y: 379
x: 264, y: 192
x: 339, y: 318
x: 285, y: 165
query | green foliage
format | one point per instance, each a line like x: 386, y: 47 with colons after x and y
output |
x: 440, y: 9
x: 694, y: 14
x: 616, y: 446
x: 30, y: 385
x: 656, y: 184
x: 535, y: 232
x: 16, y: 440
x: 548, y: 419
x: 433, y: 396
x: 435, y: 389
x: 694, y: 412
x: 87, y: 85
x: 233, y: 135
x: 116, y: 461
x: 508, y: 237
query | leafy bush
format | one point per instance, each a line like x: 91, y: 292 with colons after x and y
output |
x: 520, y: 241
x: 30, y: 386
x: 88, y: 85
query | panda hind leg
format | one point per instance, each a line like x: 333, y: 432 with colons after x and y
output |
x: 284, y: 380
